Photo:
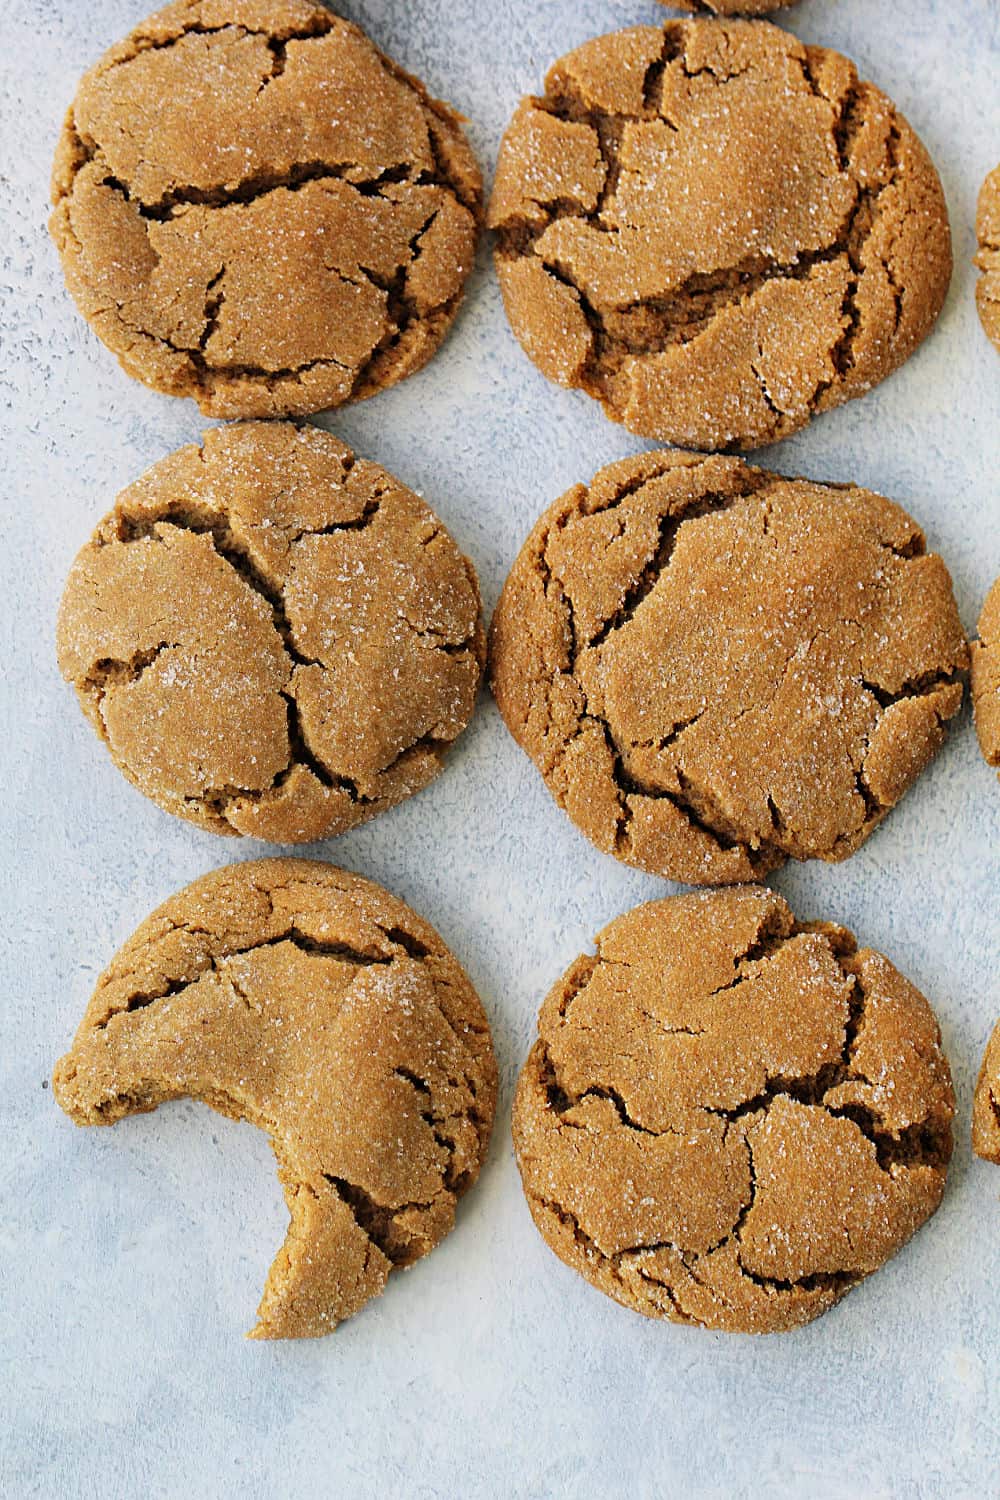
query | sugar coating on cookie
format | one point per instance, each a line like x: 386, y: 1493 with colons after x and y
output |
x: 986, y: 678
x: 271, y: 636
x: 729, y: 1117
x: 320, y: 1008
x: 256, y: 208
x: 715, y: 668
x: 986, y: 1103
x: 988, y: 257
x: 716, y: 231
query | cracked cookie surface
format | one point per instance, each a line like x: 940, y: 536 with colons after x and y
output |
x: 729, y: 7
x: 317, y: 1006
x: 730, y: 1118
x: 986, y: 678
x: 716, y: 231
x: 272, y: 637
x: 988, y: 257
x: 986, y: 1103
x: 256, y: 208
x: 716, y: 668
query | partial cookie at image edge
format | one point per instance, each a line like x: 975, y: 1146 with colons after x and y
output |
x: 988, y: 256
x: 985, y: 678
x: 729, y: 7
x: 986, y: 1103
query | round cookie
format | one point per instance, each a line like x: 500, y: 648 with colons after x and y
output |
x: 986, y: 678
x: 715, y: 668
x: 320, y: 1008
x: 256, y: 208
x: 273, y: 637
x: 730, y: 1117
x: 716, y: 231
x: 986, y: 1104
x: 988, y: 258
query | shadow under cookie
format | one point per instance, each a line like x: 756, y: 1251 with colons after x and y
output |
x: 273, y: 637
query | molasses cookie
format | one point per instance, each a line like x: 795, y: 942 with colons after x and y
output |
x: 988, y: 259
x: 256, y: 208
x: 271, y: 636
x: 716, y: 668
x: 716, y: 231
x: 730, y: 1117
x: 729, y: 7
x: 986, y: 1105
x: 986, y: 678
x: 317, y: 1006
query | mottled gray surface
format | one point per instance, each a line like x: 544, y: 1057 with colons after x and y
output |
x: 131, y: 1260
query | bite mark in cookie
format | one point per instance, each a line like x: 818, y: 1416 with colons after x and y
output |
x: 320, y: 1008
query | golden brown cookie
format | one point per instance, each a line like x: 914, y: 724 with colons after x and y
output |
x: 317, y: 1006
x: 716, y: 231
x: 271, y: 636
x: 988, y: 258
x: 986, y: 1105
x: 729, y: 7
x: 730, y: 1117
x: 716, y: 668
x: 256, y: 208
x: 986, y: 678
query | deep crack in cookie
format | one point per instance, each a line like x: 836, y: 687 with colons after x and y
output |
x: 716, y: 668
x: 273, y: 637
x: 320, y: 1008
x: 716, y: 231
x: 729, y: 1117
x: 256, y: 208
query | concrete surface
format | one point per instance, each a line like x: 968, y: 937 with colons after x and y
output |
x: 131, y: 1260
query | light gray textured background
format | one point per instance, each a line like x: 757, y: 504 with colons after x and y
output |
x: 131, y: 1259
